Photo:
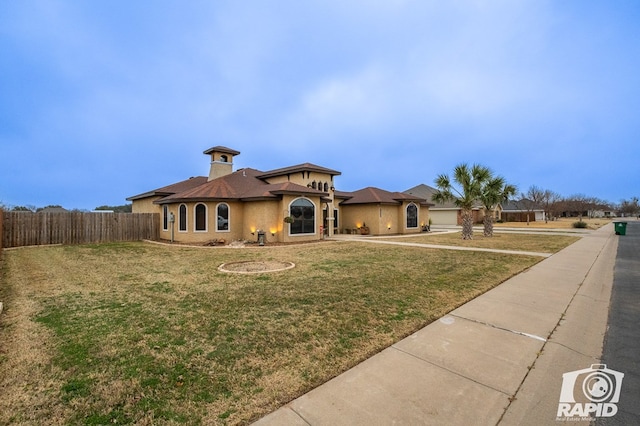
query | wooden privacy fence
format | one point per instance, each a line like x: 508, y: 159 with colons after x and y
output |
x: 29, y: 229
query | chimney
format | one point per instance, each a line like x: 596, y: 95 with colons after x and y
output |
x: 221, y: 161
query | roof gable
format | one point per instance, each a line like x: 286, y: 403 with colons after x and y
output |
x: 372, y: 195
x: 230, y: 186
x: 305, y: 167
x: 243, y: 184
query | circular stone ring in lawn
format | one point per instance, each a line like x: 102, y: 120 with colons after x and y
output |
x: 255, y: 266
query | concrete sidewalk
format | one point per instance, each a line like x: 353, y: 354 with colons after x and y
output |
x: 498, y: 359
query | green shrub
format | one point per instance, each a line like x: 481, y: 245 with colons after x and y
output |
x: 579, y: 224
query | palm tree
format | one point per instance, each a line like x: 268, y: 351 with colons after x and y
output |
x: 494, y: 191
x: 470, y: 181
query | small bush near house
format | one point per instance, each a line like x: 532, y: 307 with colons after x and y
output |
x: 579, y: 224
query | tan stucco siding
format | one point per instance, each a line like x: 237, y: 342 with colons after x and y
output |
x: 245, y: 220
x: 390, y: 220
x: 191, y: 235
x: 381, y: 219
x: 145, y: 205
x: 355, y: 216
x: 425, y: 215
x: 303, y: 178
x: 262, y: 216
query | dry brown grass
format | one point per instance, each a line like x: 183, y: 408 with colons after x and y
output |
x: 149, y: 334
x: 561, y: 223
x: 501, y: 241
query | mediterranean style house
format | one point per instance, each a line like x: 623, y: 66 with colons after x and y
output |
x: 292, y: 204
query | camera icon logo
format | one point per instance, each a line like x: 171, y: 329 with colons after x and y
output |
x: 590, y: 392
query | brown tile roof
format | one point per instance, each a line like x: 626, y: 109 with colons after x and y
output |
x: 172, y: 189
x: 371, y: 195
x: 305, y: 167
x: 243, y: 184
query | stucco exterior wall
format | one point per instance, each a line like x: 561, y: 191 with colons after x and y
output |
x: 145, y: 205
x: 425, y: 215
x: 390, y: 221
x: 301, y: 178
x: 234, y: 232
x: 382, y: 219
x: 262, y: 216
x: 354, y: 216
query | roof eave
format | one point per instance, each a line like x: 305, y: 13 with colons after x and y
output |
x: 192, y: 200
x: 149, y: 194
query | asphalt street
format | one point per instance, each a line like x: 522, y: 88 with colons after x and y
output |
x: 622, y: 340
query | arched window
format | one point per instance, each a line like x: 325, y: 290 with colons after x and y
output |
x: 224, y: 158
x: 304, y: 214
x: 165, y: 217
x: 313, y: 184
x: 412, y: 216
x: 182, y: 218
x: 222, y: 224
x: 201, y: 217
x: 326, y: 187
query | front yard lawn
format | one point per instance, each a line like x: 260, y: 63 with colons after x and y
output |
x: 151, y: 334
x: 502, y: 241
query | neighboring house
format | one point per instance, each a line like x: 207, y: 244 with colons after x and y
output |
x: 448, y: 213
x: 521, y: 211
x: 291, y: 204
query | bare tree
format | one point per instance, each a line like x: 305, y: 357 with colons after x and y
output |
x: 550, y: 200
x: 630, y: 207
x: 531, y: 201
x: 578, y: 204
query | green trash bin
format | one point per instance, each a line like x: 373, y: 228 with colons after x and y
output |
x: 620, y: 228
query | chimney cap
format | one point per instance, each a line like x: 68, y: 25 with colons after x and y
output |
x: 222, y: 149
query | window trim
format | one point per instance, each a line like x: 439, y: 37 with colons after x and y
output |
x: 228, y: 218
x: 165, y: 217
x: 195, y: 218
x: 406, y: 211
x: 186, y: 218
x: 315, y: 218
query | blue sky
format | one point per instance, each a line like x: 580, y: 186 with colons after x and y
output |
x: 101, y: 100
